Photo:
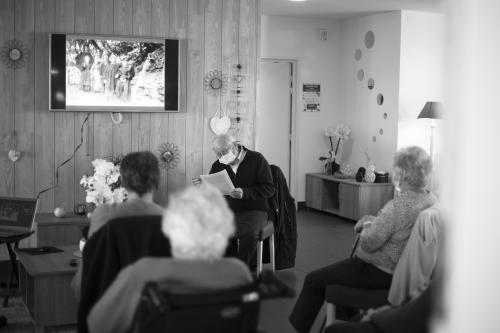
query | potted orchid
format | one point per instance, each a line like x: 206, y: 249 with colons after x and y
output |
x: 340, y: 133
x: 104, y: 186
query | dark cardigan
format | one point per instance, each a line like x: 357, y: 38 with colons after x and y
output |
x: 253, y: 177
x: 119, y: 243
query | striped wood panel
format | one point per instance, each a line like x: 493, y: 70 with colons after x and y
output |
x: 176, y: 133
x: 217, y: 32
x: 160, y: 25
x: 44, y: 119
x: 7, y: 105
x: 213, y: 61
x: 195, y: 72
x: 25, y: 101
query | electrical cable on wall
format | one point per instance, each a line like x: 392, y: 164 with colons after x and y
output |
x: 68, y: 159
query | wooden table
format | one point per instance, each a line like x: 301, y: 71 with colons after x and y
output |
x: 45, y: 287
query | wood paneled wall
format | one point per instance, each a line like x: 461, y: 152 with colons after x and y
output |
x: 219, y: 33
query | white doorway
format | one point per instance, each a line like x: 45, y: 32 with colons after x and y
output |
x: 275, y: 115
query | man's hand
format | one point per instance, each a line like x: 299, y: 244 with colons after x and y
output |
x: 196, y: 181
x: 237, y: 193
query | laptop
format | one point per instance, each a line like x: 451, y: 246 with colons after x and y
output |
x: 17, y: 215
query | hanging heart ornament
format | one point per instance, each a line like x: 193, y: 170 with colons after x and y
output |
x: 14, y: 155
x: 220, y: 122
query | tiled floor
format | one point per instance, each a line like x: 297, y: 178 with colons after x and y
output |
x: 323, y: 239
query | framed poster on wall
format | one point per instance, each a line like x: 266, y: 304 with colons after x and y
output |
x: 311, y: 97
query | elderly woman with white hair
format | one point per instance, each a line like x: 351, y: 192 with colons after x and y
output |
x: 198, y: 223
x: 381, y: 243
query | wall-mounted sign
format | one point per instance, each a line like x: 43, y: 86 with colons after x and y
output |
x: 311, y: 97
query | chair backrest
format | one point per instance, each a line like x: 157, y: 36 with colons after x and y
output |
x: 416, y: 264
x: 233, y: 311
x: 119, y: 243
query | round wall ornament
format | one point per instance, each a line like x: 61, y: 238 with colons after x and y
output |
x: 14, y: 54
x: 215, y: 83
x: 168, y: 155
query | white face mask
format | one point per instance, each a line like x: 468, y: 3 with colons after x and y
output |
x: 228, y: 158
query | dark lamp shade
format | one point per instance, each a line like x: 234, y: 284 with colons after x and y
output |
x: 431, y: 110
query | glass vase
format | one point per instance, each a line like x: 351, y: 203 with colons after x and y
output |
x: 331, y: 168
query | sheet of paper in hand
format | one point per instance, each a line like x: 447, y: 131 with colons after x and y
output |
x: 220, y: 180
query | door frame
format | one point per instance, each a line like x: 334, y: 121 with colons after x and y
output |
x: 293, y: 181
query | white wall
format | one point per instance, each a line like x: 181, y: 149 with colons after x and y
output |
x: 318, y: 62
x: 358, y: 104
x: 421, y: 79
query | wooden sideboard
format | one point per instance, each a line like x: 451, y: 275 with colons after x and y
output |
x: 58, y: 231
x: 346, y: 197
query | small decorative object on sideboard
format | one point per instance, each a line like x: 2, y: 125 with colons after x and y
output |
x: 370, y: 174
x: 360, y: 175
x: 340, y: 132
x: 59, y: 212
x: 381, y: 177
x: 80, y: 209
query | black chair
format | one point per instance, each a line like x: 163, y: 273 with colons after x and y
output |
x: 3, y: 321
x: 234, y: 310
x: 267, y: 232
x: 119, y: 243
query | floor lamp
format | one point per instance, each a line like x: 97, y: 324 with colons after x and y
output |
x: 432, y: 110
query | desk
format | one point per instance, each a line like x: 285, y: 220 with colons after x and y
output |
x: 346, y: 197
x: 45, y: 287
x: 58, y: 231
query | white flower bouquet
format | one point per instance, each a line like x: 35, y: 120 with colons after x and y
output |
x: 104, y: 186
x: 341, y: 132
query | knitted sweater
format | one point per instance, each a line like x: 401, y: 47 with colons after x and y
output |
x: 382, y: 242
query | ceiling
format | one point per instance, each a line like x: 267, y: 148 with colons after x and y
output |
x: 342, y: 9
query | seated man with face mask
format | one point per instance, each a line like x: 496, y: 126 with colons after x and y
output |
x: 253, y: 182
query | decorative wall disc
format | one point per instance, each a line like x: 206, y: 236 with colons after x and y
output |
x: 168, y: 155
x: 215, y: 83
x: 15, y: 54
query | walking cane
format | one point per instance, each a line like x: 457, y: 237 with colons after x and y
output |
x: 355, y: 245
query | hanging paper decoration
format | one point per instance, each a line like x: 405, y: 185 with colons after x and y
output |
x: 168, y: 155
x: 215, y: 83
x: 15, y: 54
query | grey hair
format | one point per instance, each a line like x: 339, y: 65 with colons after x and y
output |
x: 198, y: 223
x: 416, y: 166
x: 222, y: 142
